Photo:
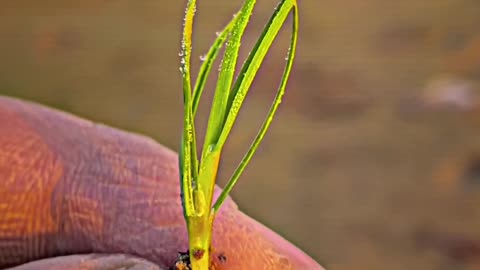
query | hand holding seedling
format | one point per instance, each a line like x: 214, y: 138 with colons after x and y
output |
x: 80, y: 195
x: 198, y: 176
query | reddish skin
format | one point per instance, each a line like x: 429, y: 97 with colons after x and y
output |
x: 90, y: 262
x: 70, y: 186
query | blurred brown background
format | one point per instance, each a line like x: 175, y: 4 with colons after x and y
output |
x: 374, y: 159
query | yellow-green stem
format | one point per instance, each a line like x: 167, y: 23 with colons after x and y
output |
x: 200, y: 224
x: 200, y: 235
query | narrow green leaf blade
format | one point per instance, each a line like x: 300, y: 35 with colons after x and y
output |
x: 207, y: 64
x: 188, y: 160
x: 277, y: 20
x: 253, y: 63
x: 225, y: 78
x: 210, y: 154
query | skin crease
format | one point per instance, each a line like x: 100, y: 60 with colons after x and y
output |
x: 70, y: 186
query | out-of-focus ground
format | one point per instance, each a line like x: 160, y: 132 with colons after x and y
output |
x: 374, y: 159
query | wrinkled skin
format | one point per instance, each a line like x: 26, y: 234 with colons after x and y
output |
x: 69, y: 186
x: 90, y: 262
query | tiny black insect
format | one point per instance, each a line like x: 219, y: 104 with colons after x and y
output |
x: 222, y: 258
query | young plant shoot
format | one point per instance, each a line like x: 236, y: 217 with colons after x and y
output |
x: 198, y: 176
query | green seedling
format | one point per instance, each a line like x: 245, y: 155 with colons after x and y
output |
x: 198, y: 174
